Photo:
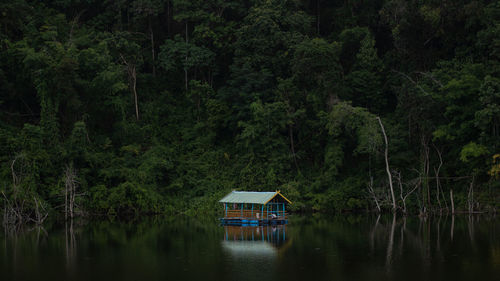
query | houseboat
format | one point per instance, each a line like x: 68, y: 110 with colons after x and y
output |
x: 254, y: 208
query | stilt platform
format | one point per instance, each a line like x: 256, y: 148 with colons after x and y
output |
x: 250, y: 208
x: 252, y: 221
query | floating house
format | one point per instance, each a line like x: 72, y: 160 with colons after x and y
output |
x: 254, y: 208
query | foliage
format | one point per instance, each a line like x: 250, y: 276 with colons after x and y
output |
x: 250, y: 95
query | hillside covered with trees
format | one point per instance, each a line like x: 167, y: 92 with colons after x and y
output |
x: 158, y: 106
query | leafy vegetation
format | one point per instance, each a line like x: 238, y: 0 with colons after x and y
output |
x: 153, y: 106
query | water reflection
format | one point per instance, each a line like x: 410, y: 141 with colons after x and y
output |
x: 422, y: 252
x: 390, y: 244
x: 253, y: 251
x: 254, y: 240
x: 274, y: 234
x: 70, y: 245
x: 312, y: 247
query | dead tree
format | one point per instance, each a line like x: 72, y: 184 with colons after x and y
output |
x: 415, y: 183
x: 16, y: 214
x: 19, y: 175
x: 373, y: 195
x: 452, y: 202
x: 132, y: 80
x: 70, y: 184
x: 40, y: 212
x: 470, y: 197
x: 426, y: 195
x: 19, y: 206
x: 438, y: 184
x: 12, y: 211
x: 386, y: 154
x: 381, y: 197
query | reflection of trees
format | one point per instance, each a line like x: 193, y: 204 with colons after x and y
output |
x: 401, y: 234
x: 390, y: 244
x: 423, y: 237
x: 372, y: 234
x: 70, y: 245
x: 452, y: 226
x: 438, y: 240
x: 470, y: 228
x: 15, y: 238
x: 398, y: 236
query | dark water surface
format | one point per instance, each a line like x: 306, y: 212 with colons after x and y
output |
x: 343, y: 247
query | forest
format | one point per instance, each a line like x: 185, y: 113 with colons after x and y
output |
x: 120, y: 107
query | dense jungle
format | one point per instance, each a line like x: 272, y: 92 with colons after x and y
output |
x: 123, y: 107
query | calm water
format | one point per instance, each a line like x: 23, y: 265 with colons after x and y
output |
x: 309, y: 248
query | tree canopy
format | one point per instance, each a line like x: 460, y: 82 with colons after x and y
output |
x: 151, y: 106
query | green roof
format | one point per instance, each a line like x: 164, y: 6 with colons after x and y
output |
x: 252, y: 197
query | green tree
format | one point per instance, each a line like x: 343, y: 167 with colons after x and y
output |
x: 364, y: 83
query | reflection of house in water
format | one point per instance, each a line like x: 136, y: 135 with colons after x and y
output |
x: 253, y: 250
x: 274, y: 235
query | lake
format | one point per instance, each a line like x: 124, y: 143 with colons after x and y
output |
x: 310, y: 247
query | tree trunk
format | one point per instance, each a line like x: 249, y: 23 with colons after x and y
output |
x: 470, y: 197
x: 372, y: 192
x: 292, y: 146
x: 66, y: 200
x: 132, y: 80
x: 70, y: 183
x: 134, y: 90
x: 370, y: 184
x: 15, y: 179
x: 436, y: 171
x: 317, y: 17
x: 72, y: 201
x: 452, y: 203
x: 168, y: 19
x: 152, y: 46
x: 400, y: 184
x: 425, y: 171
x: 186, y: 58
x: 386, y: 154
